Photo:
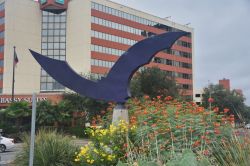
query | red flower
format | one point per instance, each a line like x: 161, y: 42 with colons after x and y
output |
x: 216, y: 109
x: 226, y: 110
x: 158, y: 97
x: 217, y: 131
x: 168, y: 98
x: 210, y: 100
x: 153, y: 125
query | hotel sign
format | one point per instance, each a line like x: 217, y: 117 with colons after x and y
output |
x: 4, y: 100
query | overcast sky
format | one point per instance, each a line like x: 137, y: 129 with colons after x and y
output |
x: 222, y: 37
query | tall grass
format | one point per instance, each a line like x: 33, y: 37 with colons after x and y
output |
x: 232, y: 152
x: 51, y: 149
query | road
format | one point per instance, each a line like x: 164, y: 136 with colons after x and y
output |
x: 7, y: 157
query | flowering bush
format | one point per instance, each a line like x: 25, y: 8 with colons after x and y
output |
x: 107, y: 146
x: 159, y: 131
x: 166, y: 127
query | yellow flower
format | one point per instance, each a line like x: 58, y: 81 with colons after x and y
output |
x: 96, y: 151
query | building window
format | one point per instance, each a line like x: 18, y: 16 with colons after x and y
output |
x: 1, y: 63
x: 1, y: 34
x: 1, y: 48
x: 197, y: 95
x: 2, y: 6
x: 53, y: 45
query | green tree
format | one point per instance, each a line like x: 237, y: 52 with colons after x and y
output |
x: 223, y: 98
x: 53, y: 114
x: 153, y: 82
x: 84, y: 105
x: 18, y: 111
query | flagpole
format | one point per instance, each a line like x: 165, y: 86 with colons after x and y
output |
x: 13, y: 78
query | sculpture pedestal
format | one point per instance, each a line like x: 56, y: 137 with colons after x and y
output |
x: 120, y: 113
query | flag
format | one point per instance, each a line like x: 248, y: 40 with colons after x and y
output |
x: 15, y: 58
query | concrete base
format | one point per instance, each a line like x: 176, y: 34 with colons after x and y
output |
x: 120, y: 113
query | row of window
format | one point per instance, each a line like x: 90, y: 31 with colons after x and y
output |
x: 56, y: 18
x: 113, y: 38
x: 52, y: 46
x: 183, y: 44
x: 54, y: 52
x: 1, y: 20
x: 179, y: 75
x: 186, y: 86
x: 2, y: 6
x: 114, y: 25
x: 172, y: 63
x: 132, y: 17
x: 53, y: 26
x: 125, y: 15
x: 55, y: 39
x: 178, y: 53
x: 53, y: 32
x: 129, y: 29
x: 2, y: 34
x: 97, y: 62
x: 106, y: 50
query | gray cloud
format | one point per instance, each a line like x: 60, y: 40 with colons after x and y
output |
x: 222, y: 46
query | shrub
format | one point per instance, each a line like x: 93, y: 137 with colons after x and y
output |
x: 51, y: 149
x: 164, y: 130
x: 107, y: 146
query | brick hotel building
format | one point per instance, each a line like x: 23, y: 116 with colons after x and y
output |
x: 89, y: 34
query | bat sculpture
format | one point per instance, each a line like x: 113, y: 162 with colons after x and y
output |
x: 115, y: 87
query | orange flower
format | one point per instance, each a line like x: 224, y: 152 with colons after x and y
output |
x: 146, y: 97
x: 226, y: 110
x: 216, y: 109
x: 168, y: 98
x: 217, y: 131
x: 196, y: 143
x: 153, y: 125
x: 206, y: 152
x: 191, y: 130
x: 216, y: 124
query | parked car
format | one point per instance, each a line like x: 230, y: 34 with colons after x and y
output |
x: 247, y: 126
x: 6, y: 143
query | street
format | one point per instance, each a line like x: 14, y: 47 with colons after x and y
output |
x: 8, y: 156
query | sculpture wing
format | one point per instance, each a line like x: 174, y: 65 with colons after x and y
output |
x: 138, y: 55
x: 64, y: 74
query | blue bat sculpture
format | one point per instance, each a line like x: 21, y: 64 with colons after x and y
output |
x: 115, y: 87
